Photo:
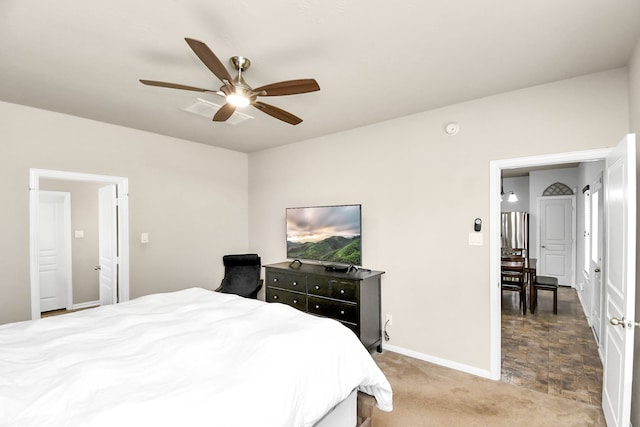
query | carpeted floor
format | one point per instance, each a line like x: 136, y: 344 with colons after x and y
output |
x: 430, y: 395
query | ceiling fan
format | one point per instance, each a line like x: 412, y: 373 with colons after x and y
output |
x: 236, y: 91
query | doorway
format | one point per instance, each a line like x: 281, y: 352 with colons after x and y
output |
x: 620, y: 266
x: 120, y: 235
x: 534, y: 350
x: 496, y: 168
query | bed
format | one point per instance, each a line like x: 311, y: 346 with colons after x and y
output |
x: 190, y: 358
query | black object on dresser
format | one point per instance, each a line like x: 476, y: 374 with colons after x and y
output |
x: 352, y: 298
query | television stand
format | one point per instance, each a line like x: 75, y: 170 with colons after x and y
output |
x: 353, y: 299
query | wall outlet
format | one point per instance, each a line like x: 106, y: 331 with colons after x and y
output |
x: 388, y: 320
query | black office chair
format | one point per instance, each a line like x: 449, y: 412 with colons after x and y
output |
x: 241, y: 275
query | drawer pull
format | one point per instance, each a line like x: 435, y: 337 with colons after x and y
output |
x: 295, y: 283
x: 341, y: 311
x: 275, y: 279
x: 317, y: 306
x: 317, y: 287
x: 295, y: 301
x: 342, y: 291
x: 275, y: 297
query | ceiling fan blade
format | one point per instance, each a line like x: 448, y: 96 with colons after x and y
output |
x: 174, y: 86
x: 224, y: 112
x: 210, y: 60
x: 277, y: 113
x: 289, y: 87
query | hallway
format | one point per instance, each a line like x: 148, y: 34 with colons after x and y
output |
x: 554, y: 354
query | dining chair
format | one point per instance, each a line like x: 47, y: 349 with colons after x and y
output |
x: 544, y: 283
x: 514, y: 278
x: 513, y: 252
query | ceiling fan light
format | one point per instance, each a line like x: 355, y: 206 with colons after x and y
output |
x: 238, y: 100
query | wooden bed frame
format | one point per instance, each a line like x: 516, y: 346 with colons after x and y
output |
x: 355, y: 410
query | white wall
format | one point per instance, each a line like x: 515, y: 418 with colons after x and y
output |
x: 191, y: 199
x: 520, y: 186
x: 420, y: 190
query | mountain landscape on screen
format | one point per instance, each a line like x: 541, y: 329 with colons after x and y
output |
x: 333, y: 249
x: 325, y: 234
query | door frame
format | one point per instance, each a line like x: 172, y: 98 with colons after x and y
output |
x: 122, y: 185
x: 495, y: 170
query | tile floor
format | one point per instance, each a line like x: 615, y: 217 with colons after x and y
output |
x: 554, y: 354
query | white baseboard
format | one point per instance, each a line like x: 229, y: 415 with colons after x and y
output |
x: 85, y: 305
x: 439, y: 361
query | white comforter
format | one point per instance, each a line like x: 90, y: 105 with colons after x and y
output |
x: 187, y: 358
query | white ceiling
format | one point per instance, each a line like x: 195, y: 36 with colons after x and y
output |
x: 374, y: 60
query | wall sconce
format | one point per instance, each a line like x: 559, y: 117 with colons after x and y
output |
x: 512, y: 197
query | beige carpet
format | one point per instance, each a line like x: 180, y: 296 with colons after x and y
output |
x: 430, y: 395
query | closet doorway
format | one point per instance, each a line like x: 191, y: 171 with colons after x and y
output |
x: 114, y: 281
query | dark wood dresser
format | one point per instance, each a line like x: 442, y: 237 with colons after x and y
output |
x: 352, y: 298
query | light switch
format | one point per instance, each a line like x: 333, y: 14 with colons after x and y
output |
x: 144, y: 238
x: 475, y: 239
x: 79, y: 234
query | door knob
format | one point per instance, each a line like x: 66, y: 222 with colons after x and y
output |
x: 617, y: 322
x: 621, y: 322
x: 597, y: 270
x: 97, y: 267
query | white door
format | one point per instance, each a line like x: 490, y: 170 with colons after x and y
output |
x: 54, y: 250
x: 619, y: 281
x: 595, y: 260
x: 108, y: 247
x: 555, y: 257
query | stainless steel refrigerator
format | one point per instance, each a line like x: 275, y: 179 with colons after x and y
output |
x: 514, y: 230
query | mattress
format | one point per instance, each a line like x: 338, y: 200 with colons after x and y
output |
x: 192, y: 357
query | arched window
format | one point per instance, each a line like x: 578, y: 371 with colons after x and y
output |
x: 558, y: 189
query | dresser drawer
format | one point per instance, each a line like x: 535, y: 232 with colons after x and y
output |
x: 343, y: 289
x: 339, y: 310
x: 294, y: 282
x: 294, y: 299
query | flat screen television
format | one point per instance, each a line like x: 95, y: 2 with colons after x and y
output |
x: 327, y: 234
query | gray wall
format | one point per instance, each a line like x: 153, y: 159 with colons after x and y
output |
x: 191, y: 199
x: 420, y: 190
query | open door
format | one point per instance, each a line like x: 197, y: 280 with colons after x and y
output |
x: 107, y: 251
x: 54, y: 250
x: 619, y: 281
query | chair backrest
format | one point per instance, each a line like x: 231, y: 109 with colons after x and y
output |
x: 513, y: 269
x: 513, y: 252
x: 241, y: 275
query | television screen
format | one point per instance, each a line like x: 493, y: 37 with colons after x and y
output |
x: 325, y: 233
